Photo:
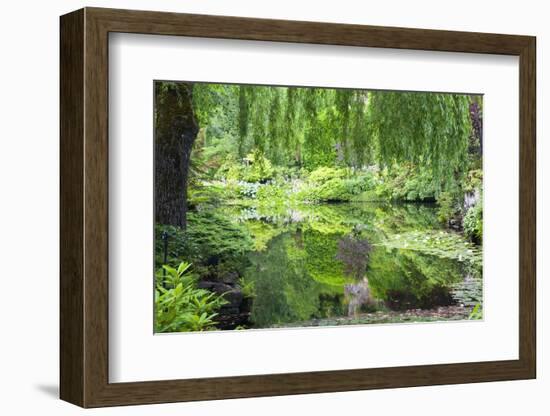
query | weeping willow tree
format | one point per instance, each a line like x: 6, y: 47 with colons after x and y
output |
x: 430, y: 130
x: 309, y: 127
x: 304, y: 126
x: 316, y: 126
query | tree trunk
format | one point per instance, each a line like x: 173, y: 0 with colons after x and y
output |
x: 175, y: 132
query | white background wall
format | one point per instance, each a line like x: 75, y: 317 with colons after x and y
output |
x: 29, y: 160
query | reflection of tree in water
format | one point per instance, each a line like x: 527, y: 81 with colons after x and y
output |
x: 353, y: 252
x: 284, y: 290
x: 268, y: 270
x: 358, y: 295
x: 407, y: 279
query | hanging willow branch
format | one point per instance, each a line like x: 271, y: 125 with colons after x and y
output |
x: 317, y: 126
x: 428, y: 129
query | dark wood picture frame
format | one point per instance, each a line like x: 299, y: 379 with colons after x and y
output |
x: 84, y: 207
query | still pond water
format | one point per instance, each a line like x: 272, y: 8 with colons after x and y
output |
x: 311, y: 262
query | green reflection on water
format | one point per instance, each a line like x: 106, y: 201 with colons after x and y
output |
x: 413, y: 263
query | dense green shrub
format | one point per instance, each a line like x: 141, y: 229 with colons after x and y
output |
x: 213, y: 193
x: 287, y: 172
x: 473, y: 222
x: 451, y: 201
x: 211, y: 241
x: 473, y: 180
x: 324, y: 174
x: 449, y: 207
x: 258, y: 168
x: 406, y: 182
x: 180, y: 306
x: 335, y: 185
x: 248, y: 288
x: 271, y: 192
x: 255, y: 167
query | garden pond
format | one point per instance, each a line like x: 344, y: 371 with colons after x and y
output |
x: 318, y: 262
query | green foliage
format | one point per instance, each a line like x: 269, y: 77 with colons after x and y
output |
x: 170, y: 277
x: 262, y: 233
x: 253, y: 168
x: 248, y: 288
x: 212, y: 193
x: 473, y: 222
x: 473, y: 180
x: 418, y: 145
x: 271, y: 192
x: 321, y: 262
x: 436, y: 243
x: 411, y: 279
x: 335, y: 185
x: 258, y: 168
x: 277, y: 175
x: 406, y: 182
x: 179, y: 305
x: 430, y: 130
x: 452, y: 201
x: 284, y: 291
x: 324, y: 174
x: 477, y: 312
x: 320, y: 127
x: 212, y: 242
x: 448, y: 207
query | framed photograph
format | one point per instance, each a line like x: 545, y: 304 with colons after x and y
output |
x: 256, y: 207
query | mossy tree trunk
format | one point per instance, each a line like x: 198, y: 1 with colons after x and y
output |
x: 176, y: 129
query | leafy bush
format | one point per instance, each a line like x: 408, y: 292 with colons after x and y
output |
x: 406, y: 182
x: 332, y: 190
x: 271, y: 192
x: 212, y: 193
x: 211, y: 241
x: 473, y: 180
x: 258, y: 168
x: 286, y: 172
x: 230, y: 169
x: 180, y: 306
x: 248, y: 288
x: 332, y: 185
x: 452, y: 203
x: 448, y: 207
x: 324, y: 174
x: 473, y: 222
x: 255, y: 167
